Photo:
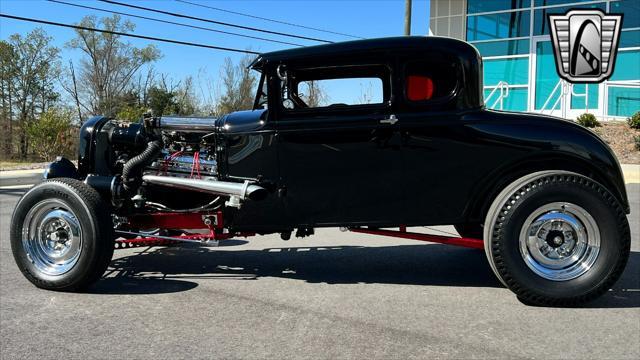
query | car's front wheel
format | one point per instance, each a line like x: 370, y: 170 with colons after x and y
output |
x: 557, y: 238
x: 62, y: 235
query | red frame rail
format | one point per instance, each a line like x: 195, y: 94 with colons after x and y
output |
x: 404, y: 234
x: 214, y: 222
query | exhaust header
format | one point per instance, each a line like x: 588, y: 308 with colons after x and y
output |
x: 242, y: 191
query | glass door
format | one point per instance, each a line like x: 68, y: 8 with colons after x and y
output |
x: 546, y: 82
x: 552, y: 96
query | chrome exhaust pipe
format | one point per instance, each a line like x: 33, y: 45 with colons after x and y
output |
x: 242, y: 191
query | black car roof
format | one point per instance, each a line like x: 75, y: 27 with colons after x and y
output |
x: 380, y: 47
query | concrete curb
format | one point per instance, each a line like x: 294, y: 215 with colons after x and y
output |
x: 20, y: 177
x: 631, y: 173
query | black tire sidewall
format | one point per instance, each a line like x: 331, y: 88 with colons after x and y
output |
x: 95, y: 226
x: 593, y: 199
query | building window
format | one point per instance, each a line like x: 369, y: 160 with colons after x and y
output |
x: 626, y: 67
x: 498, y: 26
x: 546, y: 78
x: 447, y: 18
x: 623, y: 101
x: 516, y: 101
x: 503, y: 47
x: 578, y: 102
x: 631, y: 11
x: 513, y: 71
x: 480, y: 6
x: 555, y: 2
x: 629, y: 38
x: 541, y: 20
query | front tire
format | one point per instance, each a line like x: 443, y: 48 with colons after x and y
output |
x: 557, y: 238
x: 62, y: 235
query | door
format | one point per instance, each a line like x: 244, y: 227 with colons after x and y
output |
x: 441, y: 152
x: 547, y: 88
x: 339, y: 153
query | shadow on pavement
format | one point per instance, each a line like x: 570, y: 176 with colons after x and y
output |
x: 130, y: 285
x: 407, y: 264
x: 13, y: 192
x: 427, y: 265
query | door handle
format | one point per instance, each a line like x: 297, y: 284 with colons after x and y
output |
x: 392, y: 119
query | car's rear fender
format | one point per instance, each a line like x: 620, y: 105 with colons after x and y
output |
x: 610, y: 176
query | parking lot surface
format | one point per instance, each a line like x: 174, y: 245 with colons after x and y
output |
x: 333, y: 295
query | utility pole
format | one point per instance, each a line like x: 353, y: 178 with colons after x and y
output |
x: 407, y: 17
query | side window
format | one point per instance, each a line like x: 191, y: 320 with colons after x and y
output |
x: 336, y: 87
x: 428, y: 80
x: 336, y: 92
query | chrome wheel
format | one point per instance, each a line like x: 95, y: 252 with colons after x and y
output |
x: 560, y: 241
x: 52, y: 237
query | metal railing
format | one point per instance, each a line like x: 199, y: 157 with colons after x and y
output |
x: 563, y: 88
x: 585, y: 95
x: 502, y: 89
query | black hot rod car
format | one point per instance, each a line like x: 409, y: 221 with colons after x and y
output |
x: 544, y: 197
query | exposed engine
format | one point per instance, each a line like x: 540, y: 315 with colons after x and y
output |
x: 198, y: 164
x: 168, y: 164
x: 188, y: 149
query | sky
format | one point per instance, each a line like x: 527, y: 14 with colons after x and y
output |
x: 364, y: 18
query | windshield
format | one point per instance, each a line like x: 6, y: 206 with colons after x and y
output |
x: 261, y: 96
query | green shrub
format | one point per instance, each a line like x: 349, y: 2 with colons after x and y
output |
x: 636, y: 140
x: 588, y: 120
x: 131, y: 113
x: 634, y: 121
x: 51, y: 135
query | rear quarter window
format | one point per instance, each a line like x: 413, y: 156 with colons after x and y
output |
x: 430, y: 80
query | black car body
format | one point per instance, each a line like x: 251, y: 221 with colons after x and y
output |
x: 438, y: 164
x: 428, y: 153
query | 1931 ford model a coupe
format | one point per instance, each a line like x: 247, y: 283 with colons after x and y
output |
x: 544, y: 197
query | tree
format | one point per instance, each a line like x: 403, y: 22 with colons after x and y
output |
x: 165, y: 97
x: 51, y: 135
x: 29, y: 67
x: 313, y: 95
x: 131, y: 113
x: 106, y: 73
x: 161, y: 101
x: 238, y: 86
x: 185, y: 99
x: 7, y: 76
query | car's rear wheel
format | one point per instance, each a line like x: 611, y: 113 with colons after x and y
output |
x: 557, y: 238
x: 62, y: 235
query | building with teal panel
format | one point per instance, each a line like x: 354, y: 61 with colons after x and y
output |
x: 513, y: 39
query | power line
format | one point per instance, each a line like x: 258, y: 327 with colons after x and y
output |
x: 268, y: 19
x: 171, y: 22
x: 127, y: 35
x: 214, y: 21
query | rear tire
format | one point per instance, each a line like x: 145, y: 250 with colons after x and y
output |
x: 557, y: 238
x: 62, y: 235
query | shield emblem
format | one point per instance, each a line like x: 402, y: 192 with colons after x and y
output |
x: 585, y: 44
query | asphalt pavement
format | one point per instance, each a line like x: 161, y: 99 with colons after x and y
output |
x: 333, y: 295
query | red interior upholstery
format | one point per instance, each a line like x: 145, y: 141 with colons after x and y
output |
x: 419, y: 87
